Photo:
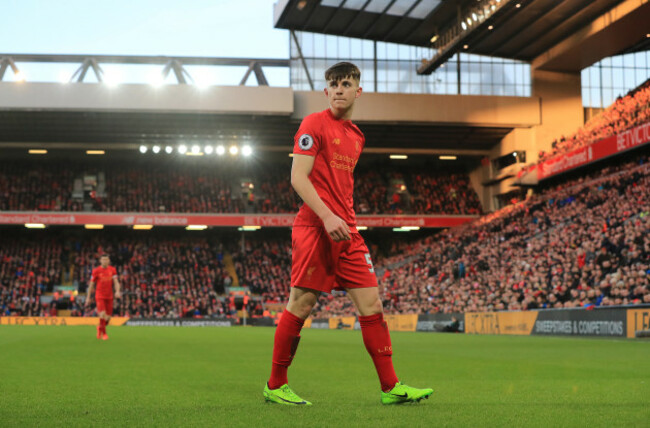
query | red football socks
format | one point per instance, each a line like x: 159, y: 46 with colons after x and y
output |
x: 102, y: 325
x: 377, y: 341
x: 287, y: 336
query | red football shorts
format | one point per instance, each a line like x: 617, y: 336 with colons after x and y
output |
x: 105, y: 305
x: 321, y: 264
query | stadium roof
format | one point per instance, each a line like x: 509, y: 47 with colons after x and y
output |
x: 519, y: 32
x: 516, y: 29
x: 128, y: 130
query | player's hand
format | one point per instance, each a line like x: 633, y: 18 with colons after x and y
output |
x: 336, y: 228
x: 88, y: 302
x: 118, y: 294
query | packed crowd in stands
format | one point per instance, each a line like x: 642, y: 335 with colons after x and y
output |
x: 28, y: 187
x: 160, y: 276
x: 29, y: 267
x: 584, y: 243
x: 443, y: 193
x: 370, y: 192
x: 626, y: 112
x: 200, y: 188
x: 264, y: 265
x: 165, y: 189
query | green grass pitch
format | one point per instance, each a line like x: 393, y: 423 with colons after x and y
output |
x: 160, y: 376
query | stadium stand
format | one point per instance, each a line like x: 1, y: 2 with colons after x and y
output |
x: 585, y: 242
x: 30, y: 267
x: 631, y: 110
x: 161, y: 276
x: 264, y: 265
x: 178, y: 187
x: 582, y: 242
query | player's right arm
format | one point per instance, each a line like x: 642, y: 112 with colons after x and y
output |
x: 91, y: 286
x: 335, y: 227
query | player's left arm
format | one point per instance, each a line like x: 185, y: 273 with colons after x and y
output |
x: 118, y: 287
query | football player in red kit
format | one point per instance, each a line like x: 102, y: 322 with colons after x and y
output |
x: 327, y: 250
x: 104, y: 277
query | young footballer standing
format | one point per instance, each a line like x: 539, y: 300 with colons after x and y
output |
x: 105, y: 276
x: 327, y: 250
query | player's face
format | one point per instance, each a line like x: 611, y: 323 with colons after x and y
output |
x: 104, y: 261
x: 341, y: 94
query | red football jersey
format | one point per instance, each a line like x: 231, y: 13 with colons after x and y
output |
x: 336, y: 145
x: 103, y: 279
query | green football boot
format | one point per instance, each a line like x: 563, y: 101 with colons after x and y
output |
x: 284, y: 395
x: 404, y: 394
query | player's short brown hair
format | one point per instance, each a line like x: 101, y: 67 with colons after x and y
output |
x: 104, y: 255
x: 342, y: 70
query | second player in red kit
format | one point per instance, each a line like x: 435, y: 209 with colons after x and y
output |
x: 103, y: 279
x: 327, y: 250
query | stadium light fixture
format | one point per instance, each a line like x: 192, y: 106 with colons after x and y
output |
x: 94, y: 226
x: 196, y: 227
x: 64, y: 77
x: 491, y: 27
x: 143, y: 149
x: 434, y: 38
x: 399, y: 156
x: 474, y: 17
x: 112, y: 79
x: 155, y: 149
x: 362, y: 227
x: 469, y: 21
x: 465, y: 46
x: 95, y: 152
x: 447, y: 157
x: 247, y: 150
x: 37, y: 152
x: 250, y: 228
x: 400, y: 229
x: 20, y: 76
x: 221, y: 150
x: 411, y: 227
x: 514, y: 154
x: 142, y: 226
x: 34, y: 225
x: 201, y: 80
x: 196, y: 150
x: 462, y: 24
x: 182, y: 149
x: 518, y: 5
x: 156, y: 80
x: 233, y: 150
x: 208, y: 150
x: 169, y: 150
x: 290, y: 155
